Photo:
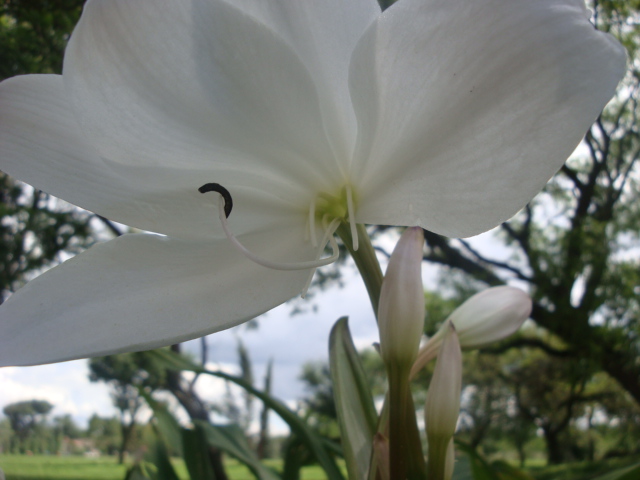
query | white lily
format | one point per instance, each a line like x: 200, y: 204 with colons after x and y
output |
x: 445, y: 114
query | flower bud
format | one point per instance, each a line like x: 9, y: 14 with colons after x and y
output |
x: 450, y: 461
x: 491, y: 315
x: 443, y: 398
x: 442, y: 408
x: 401, y: 309
x: 486, y: 317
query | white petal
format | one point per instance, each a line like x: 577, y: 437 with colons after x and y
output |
x: 466, y: 109
x: 195, y: 84
x: 323, y: 35
x: 144, y: 291
x: 41, y: 143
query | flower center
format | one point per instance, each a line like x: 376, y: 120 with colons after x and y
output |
x: 333, y: 208
x: 329, y: 210
x: 224, y: 210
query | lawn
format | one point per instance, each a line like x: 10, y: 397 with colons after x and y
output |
x: 43, y: 467
x: 49, y: 467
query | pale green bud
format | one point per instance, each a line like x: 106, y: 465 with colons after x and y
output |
x: 442, y: 408
x: 443, y: 398
x: 486, y: 317
x: 401, y: 309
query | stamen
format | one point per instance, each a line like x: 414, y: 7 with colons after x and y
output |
x: 312, y: 223
x: 224, y: 208
x: 328, y: 235
x: 216, y: 187
x: 352, y: 218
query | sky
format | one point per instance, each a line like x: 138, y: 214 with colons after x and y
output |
x: 290, y: 340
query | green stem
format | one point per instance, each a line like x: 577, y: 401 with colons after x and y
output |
x: 405, y: 446
x: 437, y: 458
x: 366, y: 261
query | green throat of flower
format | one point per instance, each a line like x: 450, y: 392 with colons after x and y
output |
x: 330, y: 211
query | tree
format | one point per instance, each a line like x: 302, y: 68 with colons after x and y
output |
x: 106, y: 433
x: 126, y: 374
x: 24, y: 417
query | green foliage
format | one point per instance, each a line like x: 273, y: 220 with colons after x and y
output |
x: 316, y: 444
x: 356, y: 412
x: 26, y: 418
x: 126, y: 373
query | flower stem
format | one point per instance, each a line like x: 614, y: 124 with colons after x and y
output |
x: 366, y: 261
x: 405, y: 447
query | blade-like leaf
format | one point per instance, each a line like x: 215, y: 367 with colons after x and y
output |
x: 479, y: 468
x: 462, y: 469
x: 231, y: 439
x: 168, y: 427
x: 196, y: 454
x: 296, y: 456
x: 354, y: 404
x: 159, y: 456
x: 312, y: 440
x: 628, y: 473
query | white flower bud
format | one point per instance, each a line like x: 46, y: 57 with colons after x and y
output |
x: 491, y: 315
x: 401, y: 309
x: 486, y: 317
x: 442, y: 408
x: 443, y: 398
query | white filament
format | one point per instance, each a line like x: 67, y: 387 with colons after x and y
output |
x: 277, y: 265
x: 312, y: 223
x: 352, y: 219
x: 329, y: 230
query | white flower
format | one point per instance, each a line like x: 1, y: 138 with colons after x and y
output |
x: 446, y: 114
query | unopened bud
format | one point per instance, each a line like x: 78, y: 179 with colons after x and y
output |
x: 443, y: 398
x: 491, y: 315
x: 401, y: 309
x: 488, y: 316
x: 443, y: 403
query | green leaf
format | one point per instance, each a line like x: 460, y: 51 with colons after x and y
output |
x: 311, y: 439
x: 159, y: 456
x: 357, y: 415
x: 231, y: 439
x: 479, y: 467
x: 168, y: 427
x: 296, y: 455
x: 196, y: 454
x: 462, y: 469
x: 509, y: 472
x: 628, y: 473
x: 137, y: 472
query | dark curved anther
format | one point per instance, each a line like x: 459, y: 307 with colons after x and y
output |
x: 226, y: 196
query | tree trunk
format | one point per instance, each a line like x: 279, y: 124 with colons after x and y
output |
x: 555, y: 453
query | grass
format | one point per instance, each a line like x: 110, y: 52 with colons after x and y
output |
x: 579, y: 470
x: 50, y: 467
